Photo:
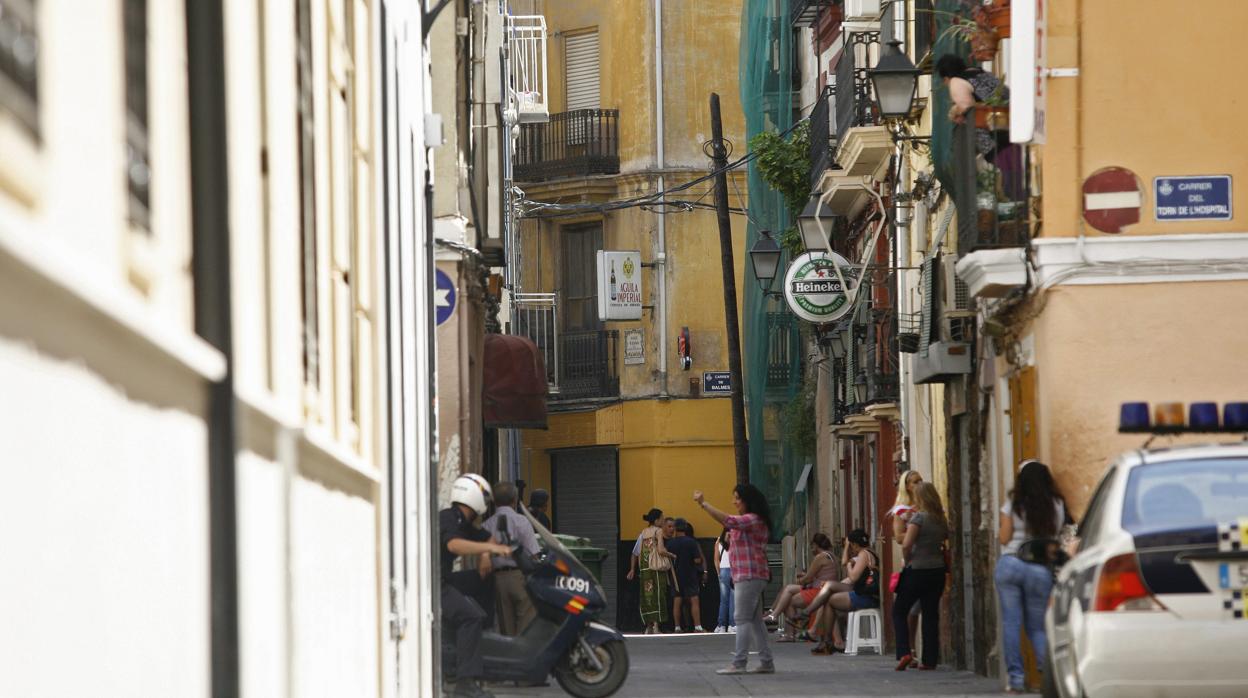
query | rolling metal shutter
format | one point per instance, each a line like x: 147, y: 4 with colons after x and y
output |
x: 580, y: 53
x: 586, y: 504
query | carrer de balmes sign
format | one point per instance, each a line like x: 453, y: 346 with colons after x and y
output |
x: 812, y: 289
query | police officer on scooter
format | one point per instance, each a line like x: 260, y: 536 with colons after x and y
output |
x: 470, y: 500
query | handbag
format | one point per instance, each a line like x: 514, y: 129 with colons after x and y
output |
x: 893, y: 581
x: 655, y: 559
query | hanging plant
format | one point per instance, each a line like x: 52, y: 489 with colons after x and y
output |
x: 784, y: 164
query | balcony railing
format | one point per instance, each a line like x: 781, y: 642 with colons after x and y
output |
x: 588, y: 365
x: 821, y: 134
x: 572, y: 144
x: 536, y: 317
x: 854, y: 106
x: 994, y: 203
x: 783, y: 357
x: 805, y: 13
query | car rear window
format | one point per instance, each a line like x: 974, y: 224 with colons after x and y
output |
x: 1186, y: 494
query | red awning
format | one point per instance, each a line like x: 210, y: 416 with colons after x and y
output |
x: 515, y: 383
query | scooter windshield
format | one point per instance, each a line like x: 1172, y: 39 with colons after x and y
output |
x: 550, y: 542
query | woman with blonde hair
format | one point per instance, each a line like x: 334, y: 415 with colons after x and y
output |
x: 902, y: 509
x: 923, y: 578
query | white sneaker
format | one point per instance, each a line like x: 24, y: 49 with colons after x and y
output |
x: 698, y: 629
x: 732, y: 628
x: 719, y: 629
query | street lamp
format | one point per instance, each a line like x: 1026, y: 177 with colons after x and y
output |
x: 840, y: 344
x: 765, y: 258
x: 895, y: 80
x: 860, y: 389
x: 816, y: 234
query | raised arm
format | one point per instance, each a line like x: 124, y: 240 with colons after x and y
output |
x: 706, y: 506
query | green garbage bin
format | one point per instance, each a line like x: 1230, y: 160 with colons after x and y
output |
x: 584, y: 550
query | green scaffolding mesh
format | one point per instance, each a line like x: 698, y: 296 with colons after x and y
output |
x: 947, y: 41
x: 771, y: 348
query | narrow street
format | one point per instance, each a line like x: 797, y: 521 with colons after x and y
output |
x: 685, y: 666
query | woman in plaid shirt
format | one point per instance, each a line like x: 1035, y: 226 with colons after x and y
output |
x: 748, y: 533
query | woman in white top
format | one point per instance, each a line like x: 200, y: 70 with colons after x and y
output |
x: 1035, y: 510
x: 723, y: 557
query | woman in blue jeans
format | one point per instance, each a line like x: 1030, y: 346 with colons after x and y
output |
x: 1035, y: 510
x: 723, y: 567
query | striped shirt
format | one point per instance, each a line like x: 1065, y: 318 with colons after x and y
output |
x: 747, y: 536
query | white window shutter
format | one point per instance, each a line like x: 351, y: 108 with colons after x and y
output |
x: 581, y: 71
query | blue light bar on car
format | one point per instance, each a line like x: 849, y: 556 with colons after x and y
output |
x: 1168, y: 418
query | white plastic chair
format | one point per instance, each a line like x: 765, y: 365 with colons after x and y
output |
x: 863, y: 631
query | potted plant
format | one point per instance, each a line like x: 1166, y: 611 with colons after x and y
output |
x: 992, y: 117
x: 995, y: 17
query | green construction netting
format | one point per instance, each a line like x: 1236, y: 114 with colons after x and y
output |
x: 771, y: 349
x: 942, y: 128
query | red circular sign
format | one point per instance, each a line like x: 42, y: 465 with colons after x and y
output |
x: 1112, y: 199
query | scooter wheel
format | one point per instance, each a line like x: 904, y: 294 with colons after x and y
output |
x: 578, y: 676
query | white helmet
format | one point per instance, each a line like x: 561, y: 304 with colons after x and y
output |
x: 472, y: 491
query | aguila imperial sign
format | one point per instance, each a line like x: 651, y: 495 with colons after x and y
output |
x: 813, y: 289
x: 619, y: 285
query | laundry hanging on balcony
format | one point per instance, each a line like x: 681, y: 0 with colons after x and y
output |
x: 514, y: 394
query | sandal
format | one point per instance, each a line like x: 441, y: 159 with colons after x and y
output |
x: 823, y: 648
x: 786, y: 638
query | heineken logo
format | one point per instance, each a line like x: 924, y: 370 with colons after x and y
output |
x: 813, y: 289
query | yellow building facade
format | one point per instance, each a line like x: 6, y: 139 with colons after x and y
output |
x: 629, y: 427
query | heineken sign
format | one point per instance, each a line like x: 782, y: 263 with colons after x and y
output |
x: 813, y: 289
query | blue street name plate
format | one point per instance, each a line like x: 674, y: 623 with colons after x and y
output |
x: 716, y: 383
x: 1201, y: 198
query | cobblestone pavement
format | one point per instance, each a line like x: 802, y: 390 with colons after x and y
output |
x: 684, y: 666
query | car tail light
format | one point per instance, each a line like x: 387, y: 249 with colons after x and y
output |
x: 1121, y: 588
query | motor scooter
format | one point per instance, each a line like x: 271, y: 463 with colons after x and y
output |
x: 588, y: 658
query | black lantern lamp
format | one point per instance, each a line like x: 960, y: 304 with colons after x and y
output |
x: 896, y: 81
x: 840, y: 341
x: 860, y: 389
x: 765, y: 258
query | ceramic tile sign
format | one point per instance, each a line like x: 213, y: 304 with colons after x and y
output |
x: 619, y: 285
x: 1192, y: 198
x: 634, y: 347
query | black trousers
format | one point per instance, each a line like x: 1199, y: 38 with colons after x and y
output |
x: 925, y: 586
x: 462, y: 616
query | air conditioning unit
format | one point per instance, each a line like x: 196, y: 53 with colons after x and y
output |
x: 941, y: 361
x: 862, y: 10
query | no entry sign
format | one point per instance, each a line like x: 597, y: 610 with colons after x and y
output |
x: 1112, y: 199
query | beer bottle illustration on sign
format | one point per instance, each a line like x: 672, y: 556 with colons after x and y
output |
x: 612, y: 281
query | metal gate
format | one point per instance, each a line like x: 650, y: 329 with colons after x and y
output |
x: 587, y: 503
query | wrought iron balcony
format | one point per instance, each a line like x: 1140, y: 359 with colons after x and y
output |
x: 994, y: 203
x: 588, y: 365
x: 805, y: 13
x: 783, y: 355
x: 821, y: 134
x: 572, y: 144
x: 854, y: 106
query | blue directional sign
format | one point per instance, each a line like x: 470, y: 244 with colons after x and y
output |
x: 444, y: 296
x: 716, y: 383
x: 1199, y: 198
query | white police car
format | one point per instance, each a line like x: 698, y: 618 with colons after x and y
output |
x: 1153, y: 602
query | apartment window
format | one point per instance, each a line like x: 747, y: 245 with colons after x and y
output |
x: 306, y: 128
x: 19, y: 63
x: 581, y: 71
x: 138, y: 170
x: 580, y: 287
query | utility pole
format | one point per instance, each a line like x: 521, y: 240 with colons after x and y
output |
x: 720, y: 164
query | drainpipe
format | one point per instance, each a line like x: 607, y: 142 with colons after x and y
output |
x: 902, y: 256
x: 210, y: 274
x: 660, y: 259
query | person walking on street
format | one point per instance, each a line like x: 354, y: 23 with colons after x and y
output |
x: 749, y: 531
x: 515, y: 608
x: 689, y: 568
x: 651, y: 557
x: 470, y: 499
x: 723, y: 565
x: 923, y: 577
x: 538, y: 501
x: 1035, y: 509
